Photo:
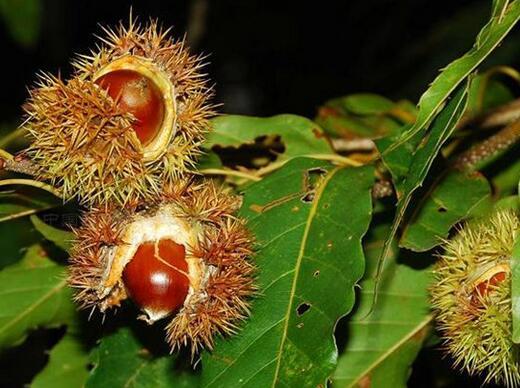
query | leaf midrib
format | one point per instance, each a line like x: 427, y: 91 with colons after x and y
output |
x: 303, y: 244
x: 134, y: 375
x: 391, y: 350
x: 33, y: 306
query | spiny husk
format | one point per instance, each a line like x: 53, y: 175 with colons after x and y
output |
x: 224, y: 247
x: 476, y: 327
x: 83, y: 143
x: 225, y: 301
x: 85, y: 146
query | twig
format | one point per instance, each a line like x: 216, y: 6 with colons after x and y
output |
x: 18, y: 164
x: 351, y: 145
x: 342, y: 160
x: 230, y: 172
x: 488, y: 148
x: 382, y: 189
x: 503, y: 115
x: 4, y: 155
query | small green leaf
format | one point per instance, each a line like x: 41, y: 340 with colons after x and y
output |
x: 67, y: 366
x: 451, y: 201
x: 121, y: 361
x: 33, y: 293
x: 515, y: 290
x: 62, y: 238
x: 308, y: 219
x: 382, y: 344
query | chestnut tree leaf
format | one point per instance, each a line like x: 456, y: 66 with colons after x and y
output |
x: 420, y: 161
x: 308, y: 219
x: 383, y: 340
x: 299, y: 135
x: 453, y: 199
x: 61, y: 238
x: 366, y: 104
x: 122, y: 361
x: 67, y: 366
x: 410, y: 162
x: 364, y: 116
x: 16, y: 205
x: 16, y: 237
x: 33, y: 293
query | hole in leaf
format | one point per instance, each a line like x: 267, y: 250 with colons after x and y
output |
x: 308, y: 198
x: 316, y: 273
x: 442, y: 209
x: 311, y: 178
x: 302, y: 309
x: 262, y: 151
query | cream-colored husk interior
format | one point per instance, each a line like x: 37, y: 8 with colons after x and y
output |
x: 159, y: 144
x: 163, y: 225
x: 486, y: 272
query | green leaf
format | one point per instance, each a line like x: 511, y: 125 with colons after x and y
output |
x: 23, y: 19
x: 122, y: 361
x: 511, y: 202
x: 364, y: 116
x: 397, y: 160
x: 16, y: 205
x: 487, y: 93
x: 499, y: 7
x: 33, y: 293
x: 62, y: 238
x: 308, y: 219
x: 16, y: 236
x: 456, y: 72
x: 422, y: 159
x: 410, y: 162
x: 515, y: 290
x: 299, y: 135
x: 382, y: 344
x: 67, y: 366
x: 365, y: 104
x: 451, y: 201
x: 505, y: 179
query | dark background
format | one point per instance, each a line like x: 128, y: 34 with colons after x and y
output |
x: 266, y: 57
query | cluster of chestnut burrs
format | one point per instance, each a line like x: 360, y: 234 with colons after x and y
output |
x: 121, y: 135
